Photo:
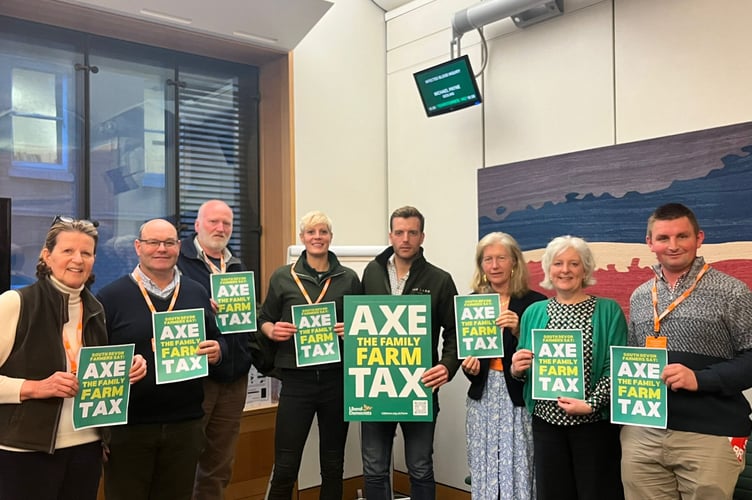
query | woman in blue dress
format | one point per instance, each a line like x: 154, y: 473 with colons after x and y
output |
x: 498, y: 428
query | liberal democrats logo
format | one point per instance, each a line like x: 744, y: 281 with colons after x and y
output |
x: 360, y: 410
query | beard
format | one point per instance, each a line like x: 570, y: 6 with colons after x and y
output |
x: 215, y: 244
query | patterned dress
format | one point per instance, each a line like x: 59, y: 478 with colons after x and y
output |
x: 499, y: 444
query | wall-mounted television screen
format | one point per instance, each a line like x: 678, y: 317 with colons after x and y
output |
x: 448, y: 86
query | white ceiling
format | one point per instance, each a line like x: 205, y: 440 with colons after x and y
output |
x: 276, y: 24
x: 388, y: 5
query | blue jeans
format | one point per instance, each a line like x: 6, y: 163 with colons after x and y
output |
x: 377, y: 439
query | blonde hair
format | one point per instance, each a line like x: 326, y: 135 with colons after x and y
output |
x: 314, y: 218
x: 518, y: 282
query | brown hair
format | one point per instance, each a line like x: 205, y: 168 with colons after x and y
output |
x: 405, y: 213
x: 672, y: 211
x: 85, y: 227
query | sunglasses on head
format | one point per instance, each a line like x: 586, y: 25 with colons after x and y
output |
x: 70, y: 220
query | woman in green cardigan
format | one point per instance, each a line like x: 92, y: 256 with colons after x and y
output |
x: 576, y: 448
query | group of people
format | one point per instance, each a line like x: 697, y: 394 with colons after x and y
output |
x: 521, y: 448
x: 567, y: 448
x: 316, y: 277
x: 180, y: 438
x: 518, y: 447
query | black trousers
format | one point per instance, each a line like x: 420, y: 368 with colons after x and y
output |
x: 577, y: 462
x: 306, y: 393
x: 68, y: 474
x: 153, y: 461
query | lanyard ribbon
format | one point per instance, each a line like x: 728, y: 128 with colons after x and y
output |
x: 148, y: 299
x: 658, y: 317
x: 303, y: 290
x: 214, y: 269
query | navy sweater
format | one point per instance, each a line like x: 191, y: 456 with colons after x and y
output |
x: 238, y: 360
x: 129, y: 322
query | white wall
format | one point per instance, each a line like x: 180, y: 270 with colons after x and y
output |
x: 340, y: 122
x: 340, y: 149
x: 607, y: 72
x: 680, y: 66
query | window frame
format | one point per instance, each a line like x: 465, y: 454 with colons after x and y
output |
x: 60, y: 171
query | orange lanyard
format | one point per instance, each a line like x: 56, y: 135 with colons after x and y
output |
x: 496, y: 363
x: 305, y: 293
x: 214, y: 269
x: 148, y: 299
x: 656, y: 317
x: 71, y: 352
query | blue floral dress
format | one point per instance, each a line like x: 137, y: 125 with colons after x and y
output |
x: 499, y: 444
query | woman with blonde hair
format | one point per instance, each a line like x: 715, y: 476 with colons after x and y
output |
x: 318, y: 390
x: 498, y: 428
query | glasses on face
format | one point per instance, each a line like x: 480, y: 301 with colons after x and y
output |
x: 154, y: 244
x: 70, y: 220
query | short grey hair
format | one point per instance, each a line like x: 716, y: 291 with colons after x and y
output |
x: 560, y: 244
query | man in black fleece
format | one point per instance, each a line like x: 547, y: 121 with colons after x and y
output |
x: 225, y: 388
x: 402, y: 270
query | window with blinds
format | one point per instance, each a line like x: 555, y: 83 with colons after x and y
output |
x: 150, y: 133
x: 216, y: 141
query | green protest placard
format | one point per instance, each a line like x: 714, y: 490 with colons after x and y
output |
x: 235, y: 295
x: 477, y: 333
x: 103, y: 386
x: 177, y: 335
x: 638, y: 395
x: 315, y: 341
x: 387, y: 350
x: 557, y: 368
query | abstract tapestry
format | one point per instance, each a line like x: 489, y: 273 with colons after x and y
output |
x: 606, y: 195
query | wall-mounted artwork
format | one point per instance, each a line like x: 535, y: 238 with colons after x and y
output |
x: 606, y: 195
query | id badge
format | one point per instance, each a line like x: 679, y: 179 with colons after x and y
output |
x: 659, y: 342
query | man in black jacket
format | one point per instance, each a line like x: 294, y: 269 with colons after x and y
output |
x: 225, y: 388
x: 402, y: 270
